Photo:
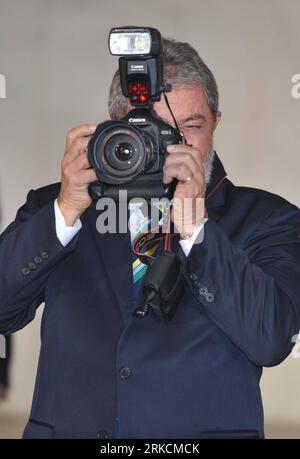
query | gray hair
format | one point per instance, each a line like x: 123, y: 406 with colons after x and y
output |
x: 182, y: 67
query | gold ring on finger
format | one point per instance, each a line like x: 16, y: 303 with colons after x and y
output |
x: 188, y: 179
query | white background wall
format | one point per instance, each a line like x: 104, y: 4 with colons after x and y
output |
x: 54, y: 56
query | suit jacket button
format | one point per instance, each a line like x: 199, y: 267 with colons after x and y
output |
x: 45, y: 255
x: 125, y: 372
x: 38, y: 260
x: 210, y: 297
x: 25, y: 271
x: 203, y: 291
x: 102, y: 434
x: 32, y: 266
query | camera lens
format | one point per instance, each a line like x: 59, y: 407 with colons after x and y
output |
x: 121, y: 152
x: 124, y: 151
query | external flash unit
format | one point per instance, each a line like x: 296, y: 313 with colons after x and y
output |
x: 134, y: 41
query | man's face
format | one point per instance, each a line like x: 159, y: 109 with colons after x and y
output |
x: 193, y: 115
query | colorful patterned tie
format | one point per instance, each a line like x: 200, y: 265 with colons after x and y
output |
x: 139, y: 223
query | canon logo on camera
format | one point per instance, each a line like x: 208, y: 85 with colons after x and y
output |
x: 137, y: 120
x: 137, y: 67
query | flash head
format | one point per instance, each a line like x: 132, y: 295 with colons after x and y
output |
x: 134, y: 41
x: 140, y: 63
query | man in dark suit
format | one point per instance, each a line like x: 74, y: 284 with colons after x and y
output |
x: 103, y: 372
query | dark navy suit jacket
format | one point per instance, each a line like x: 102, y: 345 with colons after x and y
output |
x: 197, y: 376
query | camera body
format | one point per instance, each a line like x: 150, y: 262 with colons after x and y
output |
x: 129, y: 154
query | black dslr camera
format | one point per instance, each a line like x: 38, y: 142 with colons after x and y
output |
x: 129, y: 154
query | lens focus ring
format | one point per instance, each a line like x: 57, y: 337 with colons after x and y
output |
x: 121, y: 152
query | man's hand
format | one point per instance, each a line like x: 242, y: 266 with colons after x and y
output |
x: 76, y: 174
x: 184, y: 163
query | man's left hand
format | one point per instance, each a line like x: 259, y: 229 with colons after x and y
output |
x: 185, y: 164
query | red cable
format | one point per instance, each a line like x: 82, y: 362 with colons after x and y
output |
x: 216, y: 186
x: 167, y: 247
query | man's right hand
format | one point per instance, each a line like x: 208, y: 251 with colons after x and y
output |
x: 76, y: 174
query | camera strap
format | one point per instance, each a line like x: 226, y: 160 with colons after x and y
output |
x: 147, y: 240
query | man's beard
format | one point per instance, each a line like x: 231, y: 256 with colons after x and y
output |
x: 208, y: 163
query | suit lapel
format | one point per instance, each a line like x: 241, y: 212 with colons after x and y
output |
x: 216, y: 190
x: 114, y: 249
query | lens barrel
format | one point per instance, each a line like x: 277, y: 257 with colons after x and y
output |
x: 120, y: 152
